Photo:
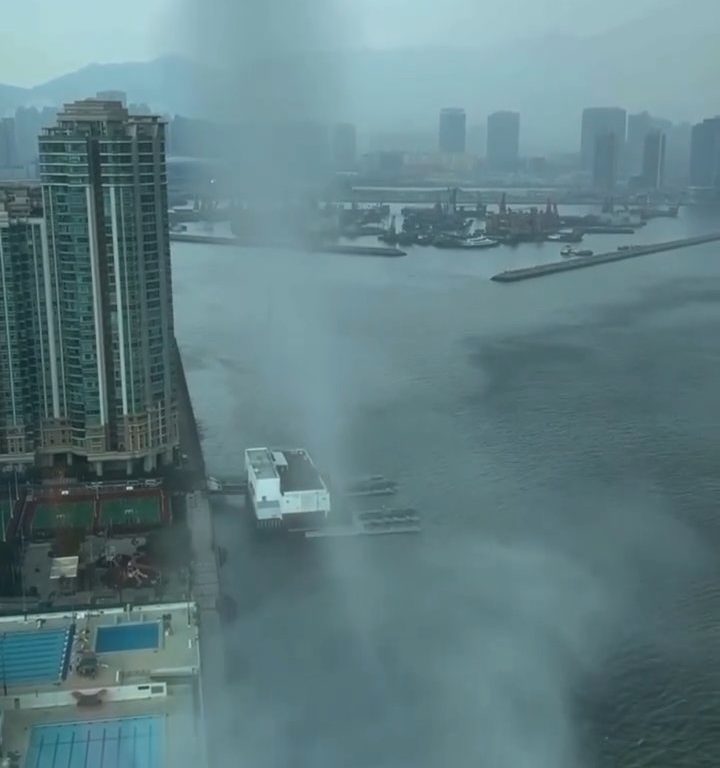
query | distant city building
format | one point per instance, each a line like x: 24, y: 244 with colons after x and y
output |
x: 705, y: 154
x: 605, y: 161
x: 102, y: 378
x: 344, y: 147
x: 597, y: 121
x: 111, y: 95
x: 653, y: 167
x: 677, y: 158
x: 503, y: 141
x: 8, y: 144
x: 451, y: 138
x: 638, y: 128
x: 28, y: 122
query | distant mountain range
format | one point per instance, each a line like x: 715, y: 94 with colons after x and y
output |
x: 666, y: 63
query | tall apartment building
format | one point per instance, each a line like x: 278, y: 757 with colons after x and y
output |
x: 25, y: 296
x: 100, y: 380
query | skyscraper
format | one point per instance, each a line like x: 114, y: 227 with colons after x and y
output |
x: 25, y: 309
x: 344, y: 147
x: 705, y: 154
x: 595, y: 122
x: 451, y: 138
x: 653, y: 167
x: 605, y: 161
x: 503, y: 141
x: 107, y: 372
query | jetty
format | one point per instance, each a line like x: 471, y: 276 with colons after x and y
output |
x: 582, y: 262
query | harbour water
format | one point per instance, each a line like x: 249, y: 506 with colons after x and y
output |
x: 561, y: 437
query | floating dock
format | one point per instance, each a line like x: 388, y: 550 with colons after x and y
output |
x: 379, y: 522
x: 580, y: 262
x: 360, y: 250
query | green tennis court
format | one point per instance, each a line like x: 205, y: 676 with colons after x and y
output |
x: 131, y: 511
x: 49, y: 516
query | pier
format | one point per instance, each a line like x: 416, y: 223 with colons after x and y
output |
x: 580, y: 262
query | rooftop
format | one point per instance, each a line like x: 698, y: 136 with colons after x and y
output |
x: 102, y: 688
x: 299, y: 472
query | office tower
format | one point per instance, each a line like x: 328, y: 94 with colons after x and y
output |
x: 705, y: 154
x: 597, y: 121
x: 451, y: 136
x: 112, y: 95
x: 344, y: 147
x: 111, y: 374
x: 653, y: 167
x: 605, y: 161
x: 503, y: 141
x: 25, y: 312
x: 8, y: 145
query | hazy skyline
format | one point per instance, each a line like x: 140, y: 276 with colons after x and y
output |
x: 40, y: 41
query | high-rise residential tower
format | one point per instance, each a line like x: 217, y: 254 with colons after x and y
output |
x: 105, y: 294
x: 26, y: 301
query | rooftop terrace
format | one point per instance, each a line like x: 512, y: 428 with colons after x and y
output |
x: 111, y: 688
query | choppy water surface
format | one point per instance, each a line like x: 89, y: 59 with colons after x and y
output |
x: 561, y: 437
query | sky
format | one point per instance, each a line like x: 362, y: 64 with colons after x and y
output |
x: 42, y: 39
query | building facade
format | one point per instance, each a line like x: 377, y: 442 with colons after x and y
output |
x: 451, y: 133
x: 653, y: 166
x: 598, y: 121
x: 24, y: 343
x: 87, y: 317
x: 705, y: 154
x: 605, y: 162
x: 503, y: 141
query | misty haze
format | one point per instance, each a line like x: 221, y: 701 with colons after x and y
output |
x: 358, y: 375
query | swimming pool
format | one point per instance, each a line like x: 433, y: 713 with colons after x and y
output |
x: 130, y: 742
x: 31, y: 657
x: 137, y: 636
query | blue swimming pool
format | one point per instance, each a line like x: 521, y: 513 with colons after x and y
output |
x: 31, y: 657
x: 131, y: 742
x: 128, y: 637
